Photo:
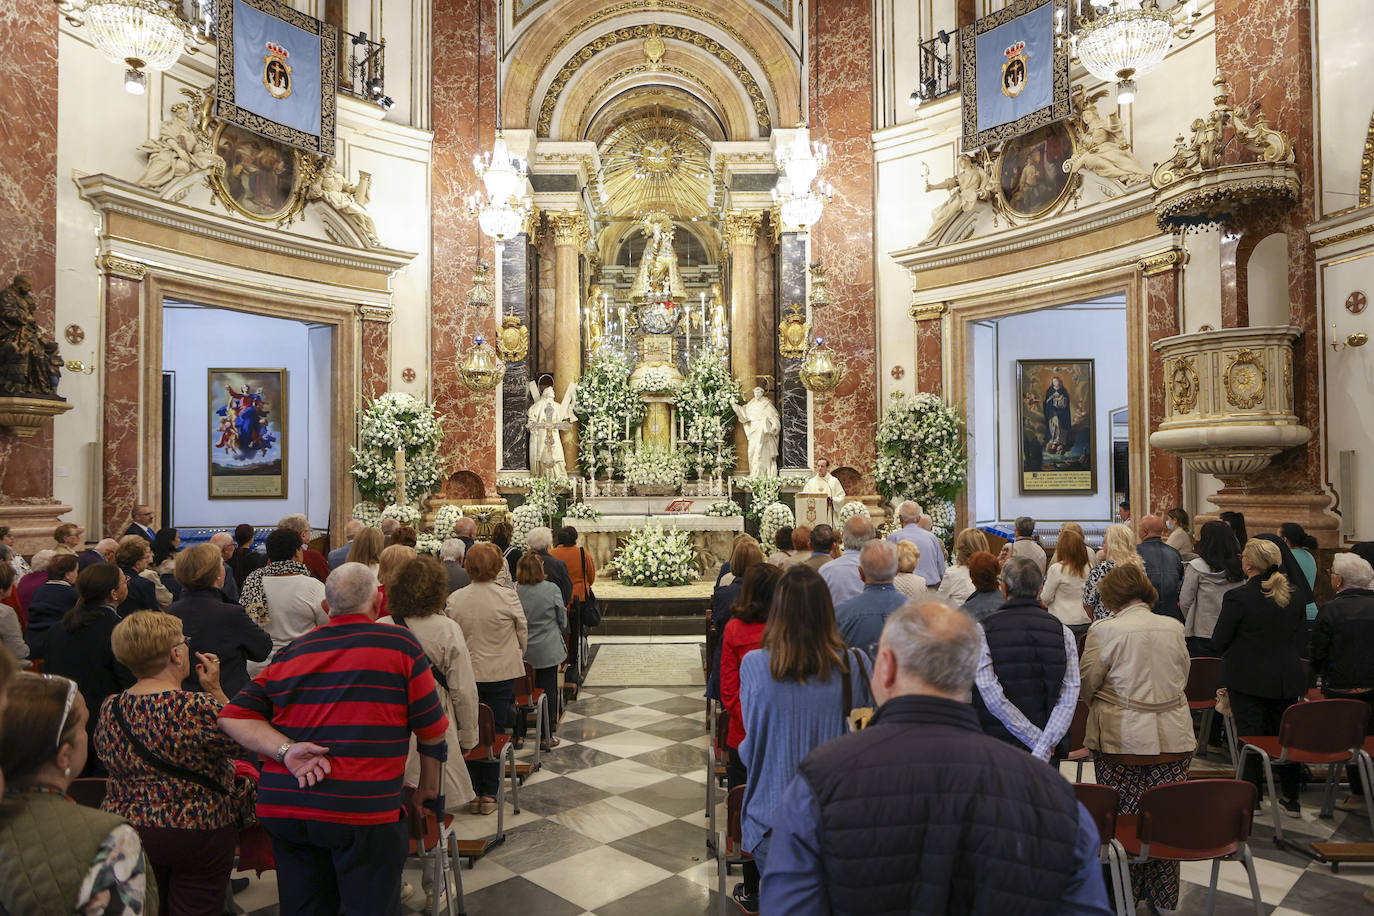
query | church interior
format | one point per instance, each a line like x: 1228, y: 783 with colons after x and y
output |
x: 673, y: 272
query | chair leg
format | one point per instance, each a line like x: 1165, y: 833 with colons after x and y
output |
x: 1212, y: 887
x: 1364, y: 766
x: 501, y: 795
x: 722, y: 878
x: 1329, y: 800
x: 514, y: 781
x: 1273, y: 797
x: 1205, y: 741
x: 1121, y: 879
x: 1232, y: 739
x: 1249, y: 864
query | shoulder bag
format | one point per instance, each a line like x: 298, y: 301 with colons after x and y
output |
x: 588, y: 608
x: 854, y: 718
x: 433, y: 668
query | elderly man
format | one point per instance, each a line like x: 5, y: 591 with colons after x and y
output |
x: 465, y: 530
x: 102, y: 552
x: 555, y: 570
x: 389, y: 527
x: 225, y: 542
x: 330, y: 800
x: 339, y: 555
x: 1163, y: 566
x: 452, y: 552
x: 872, y: 820
x: 861, y: 618
x: 141, y: 523
x: 314, y: 560
x: 842, y: 573
x: 1342, y: 650
x: 1028, y: 668
x: 1025, y: 544
x: 931, y: 565
x: 822, y: 542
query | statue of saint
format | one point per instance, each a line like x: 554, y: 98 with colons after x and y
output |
x: 970, y: 185
x: 29, y: 362
x: 1102, y: 148
x: 762, y: 426
x: 348, y: 199
x: 718, y: 328
x: 596, y: 329
x: 658, y: 273
x: 546, y: 418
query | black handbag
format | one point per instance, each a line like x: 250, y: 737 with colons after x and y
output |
x: 588, y: 609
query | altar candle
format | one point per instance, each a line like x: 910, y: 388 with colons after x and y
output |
x: 627, y: 423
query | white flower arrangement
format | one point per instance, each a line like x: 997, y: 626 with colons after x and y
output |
x: 763, y: 492
x: 391, y: 422
x: 367, y: 513
x: 725, y: 508
x: 603, y: 402
x: 650, y: 466
x: 426, y: 543
x: 445, y: 519
x: 706, y: 401
x: 581, y: 510
x: 542, y: 495
x: 406, y: 515
x: 921, y: 451
x: 523, y: 520
x: 656, y: 556
x: 774, y: 518
x: 851, y: 509
x: 656, y: 380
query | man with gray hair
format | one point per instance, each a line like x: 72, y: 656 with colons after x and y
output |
x: 931, y: 564
x: 861, y: 618
x: 1026, y: 545
x: 842, y: 573
x: 1028, y: 669
x: 314, y: 560
x: 1342, y: 649
x: 330, y: 792
x: 465, y: 530
x: 539, y: 540
x: 339, y: 555
x: 389, y: 526
x: 451, y: 553
x: 872, y: 820
x: 102, y: 552
x: 225, y: 542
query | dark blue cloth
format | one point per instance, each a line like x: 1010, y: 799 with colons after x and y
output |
x: 215, y: 626
x: 230, y: 588
x: 861, y: 618
x: 327, y: 869
x: 142, y: 594
x: 1164, y: 568
x: 49, y: 605
x: 722, y: 599
x: 339, y: 555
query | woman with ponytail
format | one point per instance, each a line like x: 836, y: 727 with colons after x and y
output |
x: 1260, y: 635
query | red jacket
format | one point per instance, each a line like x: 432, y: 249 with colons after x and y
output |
x: 739, y: 639
x: 316, y: 563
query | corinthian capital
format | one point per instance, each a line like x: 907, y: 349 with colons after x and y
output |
x: 570, y: 227
x: 741, y: 227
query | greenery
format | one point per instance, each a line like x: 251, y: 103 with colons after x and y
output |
x: 397, y: 421
x: 763, y: 492
x: 656, y: 380
x: 603, y: 400
x: 921, y: 450
x: 581, y: 511
x: 706, y: 402
x: 652, y: 466
x: 657, y: 556
x: 773, y: 519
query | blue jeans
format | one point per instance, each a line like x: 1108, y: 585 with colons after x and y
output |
x: 499, y: 695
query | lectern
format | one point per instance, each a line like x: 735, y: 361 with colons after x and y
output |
x: 815, y: 509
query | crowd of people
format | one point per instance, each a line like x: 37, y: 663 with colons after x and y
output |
x: 887, y: 713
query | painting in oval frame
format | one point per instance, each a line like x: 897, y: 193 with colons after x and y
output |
x: 262, y: 178
x: 1030, y: 170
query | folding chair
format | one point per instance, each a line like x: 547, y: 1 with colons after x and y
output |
x: 1101, y: 802
x: 730, y: 848
x: 89, y: 790
x: 498, y: 749
x: 433, y: 843
x: 1204, y: 677
x: 718, y: 727
x: 1194, y: 821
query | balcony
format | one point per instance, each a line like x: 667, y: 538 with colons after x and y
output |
x: 939, y: 67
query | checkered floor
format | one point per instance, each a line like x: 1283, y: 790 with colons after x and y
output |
x: 614, y: 825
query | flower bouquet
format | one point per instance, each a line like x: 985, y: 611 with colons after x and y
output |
x: 773, y: 519
x: 391, y: 422
x: 656, y: 380
x: 581, y: 511
x: 763, y: 492
x: 656, y: 556
x: 654, y: 471
x: 445, y: 519
x: 725, y: 508
x: 406, y: 515
x: 851, y: 509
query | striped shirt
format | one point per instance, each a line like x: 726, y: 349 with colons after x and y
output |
x: 360, y: 689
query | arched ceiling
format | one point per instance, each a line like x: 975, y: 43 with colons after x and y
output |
x: 656, y: 162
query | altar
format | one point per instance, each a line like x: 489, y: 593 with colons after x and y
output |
x: 713, y: 536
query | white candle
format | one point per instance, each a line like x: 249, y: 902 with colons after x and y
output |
x: 627, y: 427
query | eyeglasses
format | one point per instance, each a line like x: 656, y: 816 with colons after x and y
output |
x: 66, y: 708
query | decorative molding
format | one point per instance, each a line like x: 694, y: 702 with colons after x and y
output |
x: 1163, y: 262
x: 1339, y: 237
x: 1244, y: 379
x: 927, y: 311
x: 569, y: 227
x: 1183, y: 384
x: 374, y: 313
x: 1367, y: 166
x: 741, y: 227
x: 113, y: 265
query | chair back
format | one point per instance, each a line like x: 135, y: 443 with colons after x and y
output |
x: 486, y: 727
x: 89, y: 791
x: 734, y: 807
x: 1101, y: 802
x: 423, y: 825
x: 1210, y: 817
x: 529, y: 673
x: 522, y: 688
x: 1324, y: 726
x: 722, y: 731
x: 1078, y: 728
x: 1204, y: 677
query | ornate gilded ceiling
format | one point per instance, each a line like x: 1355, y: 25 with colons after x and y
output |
x: 656, y: 162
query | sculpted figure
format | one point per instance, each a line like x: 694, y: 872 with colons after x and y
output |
x: 178, y: 150
x: 29, y: 361
x: 544, y: 419
x: 969, y: 185
x: 658, y: 271
x: 348, y: 199
x: 762, y: 426
x: 718, y: 340
x: 1102, y: 148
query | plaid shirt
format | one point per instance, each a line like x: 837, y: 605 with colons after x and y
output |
x: 1040, y: 743
x: 253, y: 597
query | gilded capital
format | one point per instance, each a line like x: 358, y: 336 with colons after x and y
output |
x: 1162, y: 262
x: 115, y: 266
x: 741, y: 227
x: 570, y: 227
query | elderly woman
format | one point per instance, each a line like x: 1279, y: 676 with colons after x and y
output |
x: 907, y: 582
x: 416, y: 602
x: 36, y: 578
x: 133, y: 557
x: 493, y: 622
x: 1134, y: 670
x: 43, y: 750
x: 545, y: 651
x: 957, y: 586
x: 171, y: 768
x: 987, y: 597
x: 11, y: 634
x: 1118, y: 549
x: 212, y: 625
x: 582, y: 572
x: 66, y: 538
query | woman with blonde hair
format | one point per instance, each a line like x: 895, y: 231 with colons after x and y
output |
x: 367, y: 548
x: 1118, y: 548
x: 956, y: 586
x: 1062, y: 593
x: 1260, y: 636
x: 66, y: 538
x: 907, y: 582
x: 391, y: 562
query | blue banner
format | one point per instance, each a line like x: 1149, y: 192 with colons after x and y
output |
x: 1013, y: 73
x: 276, y: 69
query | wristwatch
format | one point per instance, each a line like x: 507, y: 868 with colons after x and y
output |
x: 281, y: 751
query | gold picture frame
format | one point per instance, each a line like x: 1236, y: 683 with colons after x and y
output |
x: 1041, y: 155
x: 261, y: 178
x: 249, y: 433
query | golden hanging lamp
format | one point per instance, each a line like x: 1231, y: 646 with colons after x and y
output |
x: 481, y: 368
x: 820, y: 292
x: 480, y: 294
x: 820, y: 371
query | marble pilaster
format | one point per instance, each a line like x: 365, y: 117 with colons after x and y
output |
x: 570, y: 232
x: 794, y: 450
x: 1161, y: 320
x: 740, y: 229
x: 515, y: 442
x: 929, y: 356
x: 374, y: 364
x: 121, y: 438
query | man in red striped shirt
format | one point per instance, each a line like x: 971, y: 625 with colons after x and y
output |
x: 333, y: 715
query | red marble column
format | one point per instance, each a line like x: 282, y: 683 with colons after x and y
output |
x: 464, y: 117
x: 842, y: 116
x: 375, y: 368
x: 1161, y: 318
x: 28, y: 225
x: 121, y: 437
x: 929, y: 356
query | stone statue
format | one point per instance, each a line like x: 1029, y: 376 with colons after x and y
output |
x: 658, y: 272
x: 1102, y: 147
x: 969, y: 185
x: 762, y: 427
x: 30, y: 365
x: 718, y: 327
x: 181, y: 147
x: 546, y: 418
x: 349, y: 200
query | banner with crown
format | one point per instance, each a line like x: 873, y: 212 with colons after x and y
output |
x: 1014, y: 71
x: 277, y: 73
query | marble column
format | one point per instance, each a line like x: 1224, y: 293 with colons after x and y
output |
x: 121, y: 436
x: 515, y: 398
x: 1161, y: 277
x: 570, y: 232
x: 374, y: 363
x: 930, y: 354
x: 740, y: 229
x: 795, y: 449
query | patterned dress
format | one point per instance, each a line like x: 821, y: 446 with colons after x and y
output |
x: 116, y: 884
x: 1155, y: 881
x: 1091, y: 597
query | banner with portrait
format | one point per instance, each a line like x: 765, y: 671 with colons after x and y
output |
x: 247, y: 430
x: 1013, y: 72
x: 1057, y: 412
x: 277, y: 73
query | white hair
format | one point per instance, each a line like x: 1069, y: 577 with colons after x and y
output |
x: 295, y: 522
x: 350, y: 589
x: 935, y: 643
x: 908, y: 512
x: 539, y: 539
x: 107, y: 544
x: 354, y: 528
x: 452, y: 550
x: 858, y: 531
x: 220, y: 539
x: 878, y: 560
x: 1354, y: 570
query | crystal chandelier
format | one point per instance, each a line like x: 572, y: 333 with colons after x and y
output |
x: 502, y: 212
x: 142, y: 34
x: 799, y: 163
x: 1127, y: 38
x: 820, y: 372
x: 481, y: 368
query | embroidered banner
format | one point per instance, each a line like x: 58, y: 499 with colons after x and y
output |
x: 277, y: 73
x: 1014, y: 74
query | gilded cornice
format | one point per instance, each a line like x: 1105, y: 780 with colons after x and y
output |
x: 1344, y: 236
x: 569, y: 227
x: 374, y: 313
x: 115, y: 266
x: 741, y: 227
x: 1367, y: 165
x: 927, y: 310
x: 646, y: 68
x: 1161, y: 262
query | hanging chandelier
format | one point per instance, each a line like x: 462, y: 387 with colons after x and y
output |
x: 1127, y: 38
x: 141, y: 34
x: 820, y: 372
x: 799, y: 163
x: 503, y: 210
x: 481, y: 368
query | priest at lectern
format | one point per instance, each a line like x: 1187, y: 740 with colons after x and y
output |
x: 825, y: 484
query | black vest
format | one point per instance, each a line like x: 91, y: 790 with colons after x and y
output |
x: 1027, y: 647
x: 921, y: 814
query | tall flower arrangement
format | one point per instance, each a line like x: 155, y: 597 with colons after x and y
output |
x: 921, y: 452
x: 763, y: 492
x: 603, y: 401
x: 397, y: 421
x: 706, y: 402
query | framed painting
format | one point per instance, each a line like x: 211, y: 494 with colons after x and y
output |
x: 1030, y: 170
x: 261, y: 178
x: 1057, y: 410
x: 248, y: 430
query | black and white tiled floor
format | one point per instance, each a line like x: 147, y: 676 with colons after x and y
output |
x: 614, y: 825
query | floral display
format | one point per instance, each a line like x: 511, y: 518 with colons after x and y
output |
x: 763, y: 492
x: 406, y: 515
x: 706, y: 401
x: 655, y: 380
x: 725, y: 508
x: 851, y: 509
x: 774, y: 518
x: 367, y: 513
x: 581, y: 511
x: 652, y: 467
x: 921, y: 451
x: 656, y: 556
x: 427, y: 543
x: 445, y: 519
x: 524, y: 519
x: 391, y: 422
x: 603, y: 402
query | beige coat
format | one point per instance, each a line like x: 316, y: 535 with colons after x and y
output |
x: 1134, y: 669
x: 443, y: 642
x: 493, y: 623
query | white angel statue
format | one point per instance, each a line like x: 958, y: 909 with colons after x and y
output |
x: 546, y: 419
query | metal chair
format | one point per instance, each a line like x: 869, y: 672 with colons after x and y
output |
x: 730, y: 847
x: 1101, y: 802
x: 1194, y: 821
x: 498, y: 749
x: 718, y: 727
x: 530, y: 701
x: 1204, y: 677
x: 432, y: 841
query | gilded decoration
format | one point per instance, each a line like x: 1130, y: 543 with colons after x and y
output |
x: 640, y: 69
x: 1367, y: 166
x: 183, y: 146
x: 257, y: 177
x: 741, y: 227
x: 639, y: 33
x: 1183, y: 384
x: 1033, y: 174
x: 658, y: 162
x: 374, y: 312
x: 794, y: 332
x: 570, y: 227
x: 1165, y: 261
x: 969, y: 186
x: 115, y: 266
x: 1287, y: 361
x: 654, y: 48
x: 513, y: 339
x: 926, y: 311
x: 1244, y: 379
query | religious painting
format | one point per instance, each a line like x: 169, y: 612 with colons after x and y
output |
x: 261, y: 178
x: 1030, y: 170
x: 1057, y: 410
x: 247, y: 430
